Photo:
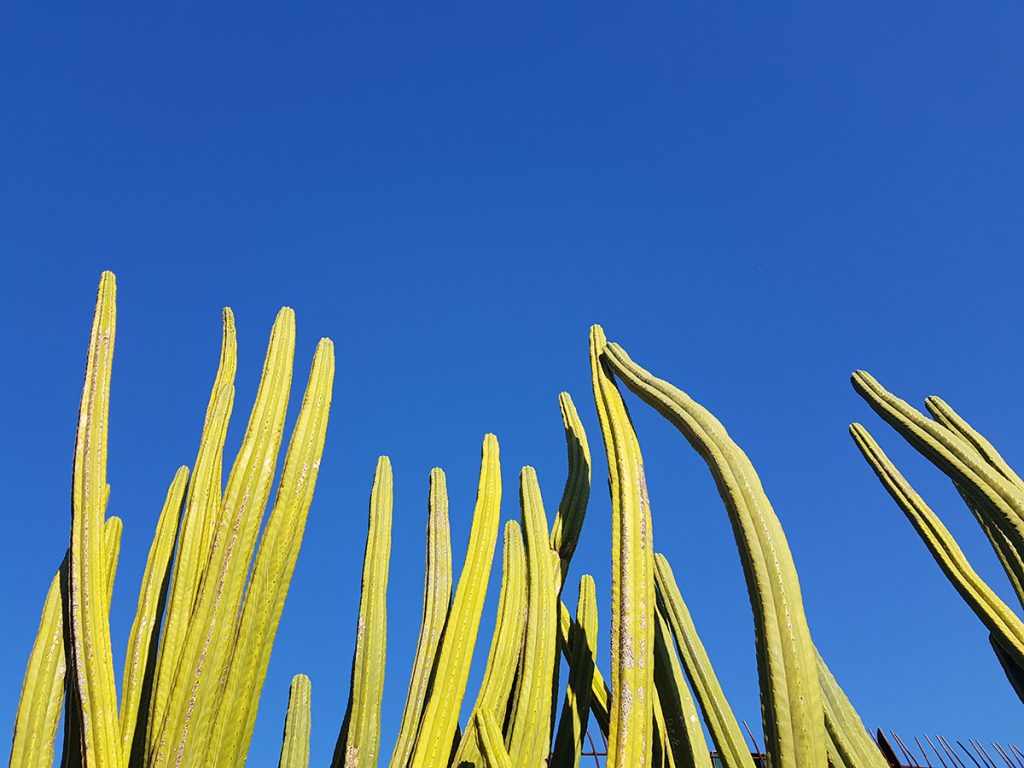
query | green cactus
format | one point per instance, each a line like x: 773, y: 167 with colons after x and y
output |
x: 506, y: 644
x: 489, y: 741
x: 850, y: 745
x: 572, y: 724
x: 437, y: 598
x: 572, y: 509
x: 529, y: 736
x: 295, y: 745
x: 722, y: 724
x: 440, y: 716
x: 791, y: 698
x: 359, y: 740
x: 684, y: 736
x: 997, y: 617
x: 140, y: 657
x: 600, y: 696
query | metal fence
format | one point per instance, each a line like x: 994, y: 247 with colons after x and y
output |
x: 916, y: 752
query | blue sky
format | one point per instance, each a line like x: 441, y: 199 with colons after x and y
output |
x: 753, y: 201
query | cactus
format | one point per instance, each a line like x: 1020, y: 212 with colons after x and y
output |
x: 997, y: 617
x: 790, y: 694
x: 600, y: 696
x: 722, y: 724
x: 529, y: 736
x: 140, y: 657
x: 359, y: 740
x: 440, y: 716
x: 572, y: 725
x: 572, y: 509
x: 295, y: 745
x: 684, y: 736
x: 506, y: 644
x: 437, y: 597
x: 489, y: 741
x: 633, y: 602
x: 850, y: 745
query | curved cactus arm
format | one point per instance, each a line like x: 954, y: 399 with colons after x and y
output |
x: 943, y: 413
x: 600, y: 696
x: 684, y: 735
x: 437, y: 598
x: 359, y: 740
x: 295, y: 745
x: 1009, y: 556
x: 572, y: 509
x: 998, y: 618
x: 722, y: 724
x: 440, y: 716
x: 42, y: 692
x: 182, y: 737
x: 1013, y: 670
x: 140, y: 657
x: 529, y: 736
x: 198, y: 527
x: 849, y: 742
x: 791, y: 697
x: 506, y: 643
x: 633, y: 601
x: 275, y: 563
x: 489, y: 742
x: 92, y: 657
x: 572, y: 724
x: 997, y: 497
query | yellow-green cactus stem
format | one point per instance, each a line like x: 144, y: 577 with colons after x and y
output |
x: 92, y: 661
x: 997, y: 617
x: 437, y: 598
x: 440, y: 716
x: 996, y: 496
x: 572, y: 724
x: 794, y: 723
x: 42, y: 692
x: 198, y: 527
x: 1013, y: 670
x: 684, y: 736
x: 112, y: 530
x: 506, y: 644
x: 295, y: 746
x: 600, y: 696
x: 140, y: 657
x: 275, y: 563
x: 662, y: 755
x: 572, y: 509
x: 210, y: 635
x: 943, y: 413
x: 359, y: 740
x: 633, y: 601
x: 722, y: 724
x: 850, y: 744
x: 489, y: 742
x: 529, y: 737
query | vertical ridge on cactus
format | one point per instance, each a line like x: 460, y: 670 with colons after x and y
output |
x: 359, y: 740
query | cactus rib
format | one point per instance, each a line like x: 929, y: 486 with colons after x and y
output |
x: 489, y: 741
x: 359, y: 740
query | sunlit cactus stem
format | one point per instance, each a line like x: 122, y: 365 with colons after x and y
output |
x: 295, y: 745
x: 572, y: 724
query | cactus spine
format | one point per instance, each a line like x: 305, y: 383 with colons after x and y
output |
x: 440, y: 717
x: 359, y: 740
x: 633, y: 602
x: 295, y: 746
x: 437, y: 598
x: 572, y: 724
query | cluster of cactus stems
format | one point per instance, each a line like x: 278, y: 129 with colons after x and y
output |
x: 214, y: 588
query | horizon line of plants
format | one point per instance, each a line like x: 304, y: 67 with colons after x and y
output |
x: 200, y: 643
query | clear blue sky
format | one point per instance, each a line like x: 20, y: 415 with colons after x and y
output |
x: 755, y: 202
